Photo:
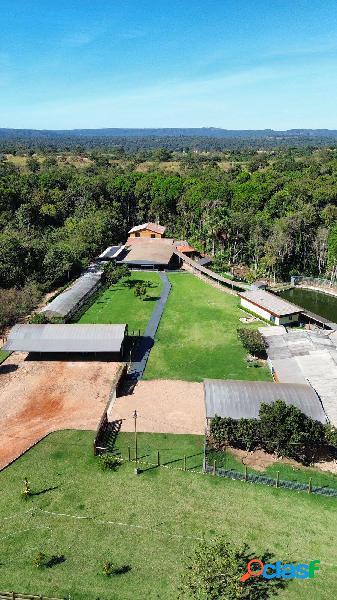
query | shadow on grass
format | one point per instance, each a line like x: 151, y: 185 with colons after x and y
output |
x: 50, y: 489
x: 55, y: 560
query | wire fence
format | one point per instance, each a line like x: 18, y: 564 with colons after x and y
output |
x: 270, y: 481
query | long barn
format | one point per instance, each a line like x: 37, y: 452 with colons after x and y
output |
x: 65, y: 338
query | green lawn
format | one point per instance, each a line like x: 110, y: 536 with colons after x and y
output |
x: 3, y: 356
x: 118, y: 304
x: 151, y: 522
x: 197, y: 339
x: 287, y: 472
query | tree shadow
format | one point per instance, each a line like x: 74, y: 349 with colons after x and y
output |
x: 50, y: 489
x: 151, y: 298
x: 4, y: 369
x: 55, y: 560
x: 122, y: 569
x: 260, y: 588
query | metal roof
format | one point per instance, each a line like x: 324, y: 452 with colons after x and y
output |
x: 270, y: 302
x: 65, y: 303
x: 304, y: 355
x: 110, y: 252
x: 242, y: 399
x: 152, y: 251
x: 66, y: 338
x: 155, y: 227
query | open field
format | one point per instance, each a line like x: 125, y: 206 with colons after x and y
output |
x: 150, y: 522
x: 163, y: 406
x: 197, y: 337
x: 118, y: 304
x: 39, y: 396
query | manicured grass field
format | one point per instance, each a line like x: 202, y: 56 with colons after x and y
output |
x: 150, y: 522
x: 3, y: 356
x: 118, y: 304
x: 197, y: 339
x: 287, y: 472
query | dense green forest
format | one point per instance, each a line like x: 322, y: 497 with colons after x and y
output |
x: 274, y: 212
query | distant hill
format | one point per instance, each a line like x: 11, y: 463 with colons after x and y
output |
x: 211, y: 132
x: 175, y: 139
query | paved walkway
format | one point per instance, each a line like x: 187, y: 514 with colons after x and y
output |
x: 143, y: 349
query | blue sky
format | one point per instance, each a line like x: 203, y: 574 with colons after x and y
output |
x: 237, y: 64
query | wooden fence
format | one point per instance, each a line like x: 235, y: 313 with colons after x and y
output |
x: 104, y: 426
x: 17, y: 596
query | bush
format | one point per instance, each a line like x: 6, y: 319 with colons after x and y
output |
x: 109, y: 462
x: 281, y: 429
x: 253, y: 341
x: 39, y: 318
x: 40, y: 560
x: 140, y: 289
x: 215, y: 569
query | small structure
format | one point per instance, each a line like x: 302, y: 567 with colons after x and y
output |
x: 242, y: 399
x: 79, y: 338
x: 147, y: 230
x: 270, y: 307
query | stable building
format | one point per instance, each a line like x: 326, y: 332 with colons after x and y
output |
x: 68, y: 338
x: 270, y: 307
x: 243, y: 399
x: 147, y: 230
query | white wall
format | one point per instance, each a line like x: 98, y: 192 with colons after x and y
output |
x: 267, y: 315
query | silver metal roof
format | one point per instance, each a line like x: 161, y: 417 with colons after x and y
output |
x: 270, y: 302
x: 305, y: 355
x: 66, y: 338
x: 242, y: 399
x: 65, y: 303
x: 110, y: 252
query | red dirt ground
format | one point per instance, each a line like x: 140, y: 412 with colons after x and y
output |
x: 38, y: 397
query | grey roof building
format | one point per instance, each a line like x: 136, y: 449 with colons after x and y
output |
x: 66, y: 338
x: 242, y: 399
x: 270, y: 302
x: 69, y: 301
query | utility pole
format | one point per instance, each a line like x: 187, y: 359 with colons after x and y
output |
x: 135, y: 415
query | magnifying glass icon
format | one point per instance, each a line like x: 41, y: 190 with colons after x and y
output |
x: 251, y: 573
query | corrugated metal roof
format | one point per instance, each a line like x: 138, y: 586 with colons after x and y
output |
x: 110, y: 252
x: 155, y: 227
x: 270, y: 302
x: 66, y: 338
x: 66, y: 302
x: 242, y: 399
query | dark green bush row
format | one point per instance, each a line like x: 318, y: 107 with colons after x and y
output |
x: 280, y: 429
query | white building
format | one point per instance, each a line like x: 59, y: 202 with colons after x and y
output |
x: 270, y: 307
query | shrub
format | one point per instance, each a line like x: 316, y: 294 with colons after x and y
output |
x: 40, y: 560
x: 39, y: 318
x: 140, y: 289
x: 110, y: 462
x: 214, y: 572
x: 281, y: 428
x: 26, y: 492
x: 253, y: 341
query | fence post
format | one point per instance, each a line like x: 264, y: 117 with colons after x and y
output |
x: 129, y: 453
x: 184, y: 463
x: 158, y: 458
x: 310, y: 485
x: 214, y: 467
x: 277, y: 478
x: 246, y: 473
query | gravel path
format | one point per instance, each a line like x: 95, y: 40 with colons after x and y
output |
x: 163, y: 406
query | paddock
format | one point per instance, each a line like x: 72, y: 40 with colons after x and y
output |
x: 38, y: 397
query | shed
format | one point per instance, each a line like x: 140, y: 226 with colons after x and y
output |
x: 270, y: 307
x: 67, y: 338
x: 149, y: 253
x: 242, y: 399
